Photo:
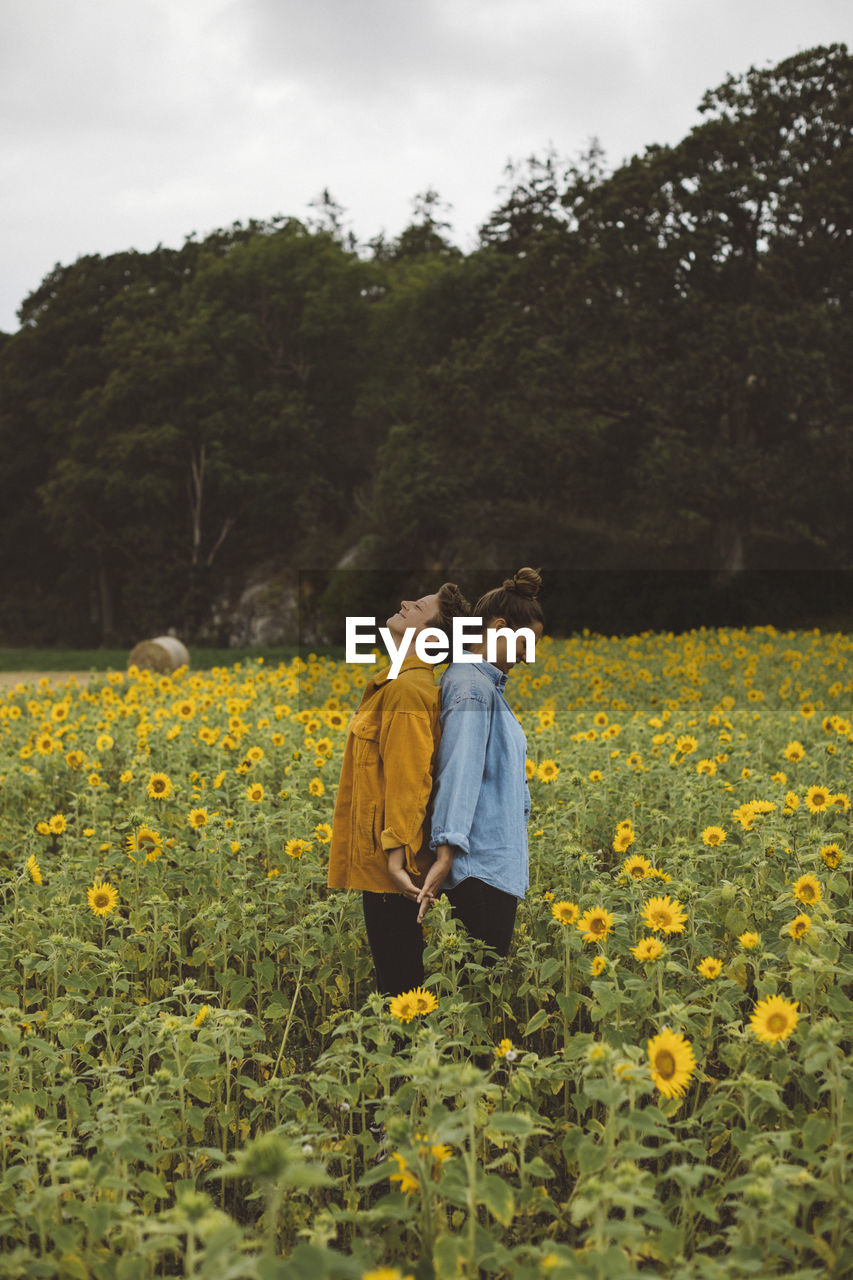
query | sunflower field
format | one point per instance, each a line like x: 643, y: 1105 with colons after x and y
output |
x: 198, y: 1079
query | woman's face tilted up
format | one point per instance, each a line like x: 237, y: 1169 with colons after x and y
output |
x: 414, y: 613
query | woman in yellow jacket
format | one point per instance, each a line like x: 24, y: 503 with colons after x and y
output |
x: 380, y: 831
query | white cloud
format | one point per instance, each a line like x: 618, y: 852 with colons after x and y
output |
x: 124, y: 123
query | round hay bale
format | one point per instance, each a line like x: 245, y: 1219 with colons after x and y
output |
x: 163, y: 654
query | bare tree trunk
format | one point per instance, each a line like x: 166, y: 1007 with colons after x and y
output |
x: 728, y: 554
x: 195, y: 484
x: 727, y: 547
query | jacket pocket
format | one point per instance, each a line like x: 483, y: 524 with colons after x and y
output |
x: 365, y: 748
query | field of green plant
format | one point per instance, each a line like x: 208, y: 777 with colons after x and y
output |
x: 196, y: 1078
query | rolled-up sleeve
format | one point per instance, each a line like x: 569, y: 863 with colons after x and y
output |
x: 460, y: 762
x: 406, y: 745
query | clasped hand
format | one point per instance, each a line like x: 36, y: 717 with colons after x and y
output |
x: 426, y: 895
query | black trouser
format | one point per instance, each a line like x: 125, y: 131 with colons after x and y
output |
x: 396, y: 941
x: 486, y: 912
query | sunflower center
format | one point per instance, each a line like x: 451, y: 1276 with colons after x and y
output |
x: 101, y: 899
x: 596, y: 925
x: 807, y: 893
x: 665, y: 1064
x: 158, y: 784
x: 777, y: 1022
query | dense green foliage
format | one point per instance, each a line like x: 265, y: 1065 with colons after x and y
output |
x: 648, y: 366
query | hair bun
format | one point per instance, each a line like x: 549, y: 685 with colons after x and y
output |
x: 526, y: 582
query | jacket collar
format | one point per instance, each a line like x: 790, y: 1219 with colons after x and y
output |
x: 491, y: 672
x: 410, y: 663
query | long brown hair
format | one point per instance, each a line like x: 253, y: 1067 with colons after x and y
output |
x: 515, y: 601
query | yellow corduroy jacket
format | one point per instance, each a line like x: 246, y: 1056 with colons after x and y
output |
x: 386, y: 779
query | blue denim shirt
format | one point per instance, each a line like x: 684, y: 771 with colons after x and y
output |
x: 480, y: 799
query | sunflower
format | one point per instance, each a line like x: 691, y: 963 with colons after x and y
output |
x: 597, y: 965
x: 402, y: 1007
x: 201, y: 1015
x: 807, y: 890
x: 800, y: 925
x: 316, y: 787
x: 102, y: 897
x: 45, y: 744
x: 159, y: 786
x: 792, y: 801
x: 637, y: 867
x: 745, y: 815
x: 647, y: 949
x: 794, y: 752
x: 595, y: 775
x: 503, y: 1049
x: 104, y: 742
x: 547, y: 771
x: 408, y: 1181
x: 817, y: 798
x: 625, y: 824
x: 623, y: 840
x: 710, y: 967
x: 595, y: 924
x: 34, y: 869
x: 254, y: 754
x: 841, y: 801
x: 424, y: 1001
x: 565, y: 912
x: 146, y: 841
x: 774, y: 1019
x: 600, y: 719
x: 198, y: 818
x: 664, y: 915
x: 749, y: 940
x: 530, y: 770
x: 708, y: 767
x: 831, y: 855
x: 295, y: 848
x: 255, y: 792
x: 686, y: 744
x: 323, y: 832
x: 671, y: 1062
x: 57, y: 824
x: 712, y: 836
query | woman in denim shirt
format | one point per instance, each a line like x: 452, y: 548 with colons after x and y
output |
x: 480, y: 800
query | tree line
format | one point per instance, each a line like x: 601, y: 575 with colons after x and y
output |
x: 646, y: 367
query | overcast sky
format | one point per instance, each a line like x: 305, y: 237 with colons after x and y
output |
x: 131, y: 122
